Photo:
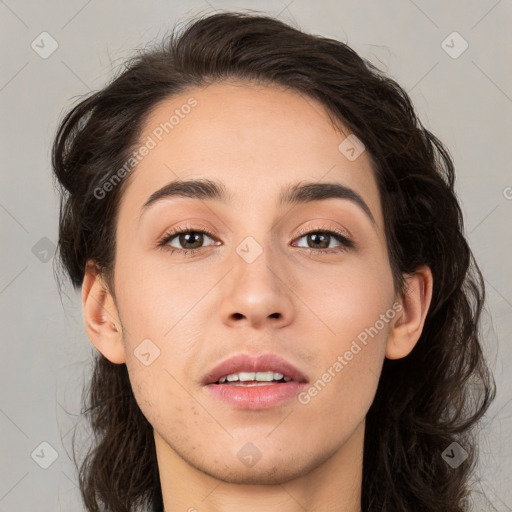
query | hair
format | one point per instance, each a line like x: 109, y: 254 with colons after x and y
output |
x: 425, y: 401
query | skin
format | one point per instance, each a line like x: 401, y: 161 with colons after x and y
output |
x: 200, y: 309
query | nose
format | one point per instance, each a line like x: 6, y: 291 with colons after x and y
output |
x: 257, y: 294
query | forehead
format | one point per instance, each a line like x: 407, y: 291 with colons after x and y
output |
x: 256, y: 139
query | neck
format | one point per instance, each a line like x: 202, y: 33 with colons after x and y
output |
x: 331, y: 484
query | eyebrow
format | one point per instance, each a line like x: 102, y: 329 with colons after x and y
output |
x: 299, y: 193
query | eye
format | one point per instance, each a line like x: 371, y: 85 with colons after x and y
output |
x: 320, y: 241
x: 192, y: 239
x: 189, y: 238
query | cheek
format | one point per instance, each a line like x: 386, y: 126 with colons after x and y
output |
x: 343, y: 387
x: 344, y: 300
x: 156, y: 298
x: 156, y: 392
x: 351, y: 337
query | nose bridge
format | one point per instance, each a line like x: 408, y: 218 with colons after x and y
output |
x: 256, y: 286
x: 256, y: 234
x: 255, y: 262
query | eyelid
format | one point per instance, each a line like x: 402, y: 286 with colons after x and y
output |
x: 173, y: 232
x: 342, y: 232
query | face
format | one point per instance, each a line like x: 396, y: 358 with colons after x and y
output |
x: 307, y: 280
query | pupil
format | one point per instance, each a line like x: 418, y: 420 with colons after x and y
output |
x: 323, y: 244
x: 184, y: 241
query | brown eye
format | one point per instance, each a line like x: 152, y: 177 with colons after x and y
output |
x: 194, y: 238
x: 187, y: 239
x: 321, y: 241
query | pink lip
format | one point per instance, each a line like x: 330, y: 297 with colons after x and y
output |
x: 247, y: 363
x: 255, y: 397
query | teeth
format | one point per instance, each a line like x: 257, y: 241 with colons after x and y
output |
x: 248, y: 376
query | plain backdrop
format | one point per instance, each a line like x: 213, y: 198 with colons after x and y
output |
x: 462, y: 94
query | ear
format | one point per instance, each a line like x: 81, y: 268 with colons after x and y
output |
x: 408, y: 325
x: 101, y: 317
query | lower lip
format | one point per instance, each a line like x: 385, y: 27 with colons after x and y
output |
x: 256, y: 397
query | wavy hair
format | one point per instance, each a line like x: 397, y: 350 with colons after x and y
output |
x: 425, y: 401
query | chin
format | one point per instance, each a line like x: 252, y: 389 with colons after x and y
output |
x: 264, y: 474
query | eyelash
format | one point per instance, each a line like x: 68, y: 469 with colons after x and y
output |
x: 338, y: 235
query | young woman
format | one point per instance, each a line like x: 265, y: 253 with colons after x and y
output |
x: 275, y: 277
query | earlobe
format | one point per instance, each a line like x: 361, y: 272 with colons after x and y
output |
x: 406, y: 330
x: 101, y: 317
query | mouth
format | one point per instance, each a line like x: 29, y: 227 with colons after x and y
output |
x: 246, y: 370
x: 253, y: 379
x: 255, y: 383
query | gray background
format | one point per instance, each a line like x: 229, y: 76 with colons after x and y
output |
x: 466, y: 101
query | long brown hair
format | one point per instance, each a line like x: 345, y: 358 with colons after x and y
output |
x: 425, y: 401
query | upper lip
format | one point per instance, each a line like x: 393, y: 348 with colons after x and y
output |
x: 248, y: 363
